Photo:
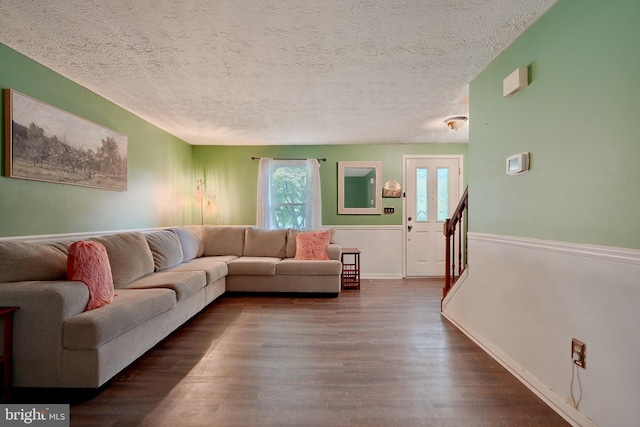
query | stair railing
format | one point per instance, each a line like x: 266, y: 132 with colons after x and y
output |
x: 455, y: 232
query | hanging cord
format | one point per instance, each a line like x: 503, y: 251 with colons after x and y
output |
x: 575, y: 374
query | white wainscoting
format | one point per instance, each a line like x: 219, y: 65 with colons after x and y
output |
x: 380, y: 246
x: 523, y: 300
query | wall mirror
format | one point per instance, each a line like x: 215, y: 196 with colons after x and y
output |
x: 359, y: 188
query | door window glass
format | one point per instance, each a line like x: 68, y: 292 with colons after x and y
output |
x: 443, y: 194
x: 422, y: 195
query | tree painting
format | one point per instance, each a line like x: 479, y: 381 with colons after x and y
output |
x: 48, y: 144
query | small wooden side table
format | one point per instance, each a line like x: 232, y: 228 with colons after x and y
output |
x: 350, y: 270
x: 6, y: 314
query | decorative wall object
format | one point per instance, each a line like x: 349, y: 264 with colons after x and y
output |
x: 392, y: 189
x: 44, y: 143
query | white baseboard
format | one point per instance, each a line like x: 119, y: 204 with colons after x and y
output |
x: 380, y: 276
x: 564, y: 409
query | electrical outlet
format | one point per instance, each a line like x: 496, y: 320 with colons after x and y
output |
x: 578, y: 352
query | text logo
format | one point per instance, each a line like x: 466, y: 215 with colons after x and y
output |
x: 34, y: 415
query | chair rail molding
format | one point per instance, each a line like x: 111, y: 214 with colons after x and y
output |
x: 610, y: 253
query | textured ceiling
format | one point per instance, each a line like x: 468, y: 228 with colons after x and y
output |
x: 276, y: 72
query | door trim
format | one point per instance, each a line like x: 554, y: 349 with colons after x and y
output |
x: 405, y: 157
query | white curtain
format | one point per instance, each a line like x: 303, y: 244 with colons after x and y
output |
x: 265, y: 206
x: 314, y: 195
x: 264, y: 218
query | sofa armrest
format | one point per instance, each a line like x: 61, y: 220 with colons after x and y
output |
x: 334, y: 251
x: 38, y: 327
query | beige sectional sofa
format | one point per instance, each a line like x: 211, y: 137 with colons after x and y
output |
x: 161, y: 278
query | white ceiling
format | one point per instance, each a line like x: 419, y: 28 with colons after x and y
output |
x: 253, y: 72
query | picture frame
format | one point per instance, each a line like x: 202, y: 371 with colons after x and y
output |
x: 359, y: 188
x: 45, y: 143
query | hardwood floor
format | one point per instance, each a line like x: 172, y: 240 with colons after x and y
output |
x: 381, y: 356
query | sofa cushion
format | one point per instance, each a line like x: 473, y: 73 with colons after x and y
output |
x: 183, y: 283
x: 191, y: 241
x: 213, y: 269
x: 20, y: 261
x: 129, y: 256
x: 258, y: 266
x: 88, y: 262
x: 166, y: 249
x: 129, y: 309
x: 260, y: 242
x: 223, y: 240
x: 291, y: 239
x: 218, y: 258
x: 308, y: 268
x: 312, y: 245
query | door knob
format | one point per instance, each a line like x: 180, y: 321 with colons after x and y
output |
x: 409, y: 219
x: 409, y: 227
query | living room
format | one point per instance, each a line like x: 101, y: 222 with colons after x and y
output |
x: 553, y: 254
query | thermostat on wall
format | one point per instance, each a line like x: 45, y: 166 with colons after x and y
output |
x: 518, y: 163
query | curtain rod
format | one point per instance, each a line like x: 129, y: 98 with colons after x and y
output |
x: 280, y: 158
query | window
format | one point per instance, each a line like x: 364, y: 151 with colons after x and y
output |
x: 422, y: 194
x: 289, y: 194
x: 443, y: 194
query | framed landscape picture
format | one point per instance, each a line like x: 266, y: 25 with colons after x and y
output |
x: 44, y: 143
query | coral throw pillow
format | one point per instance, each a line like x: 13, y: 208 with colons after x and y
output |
x: 312, y: 245
x: 88, y: 262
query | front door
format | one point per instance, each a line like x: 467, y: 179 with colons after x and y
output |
x: 432, y: 190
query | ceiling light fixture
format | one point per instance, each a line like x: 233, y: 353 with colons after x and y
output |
x: 455, y: 123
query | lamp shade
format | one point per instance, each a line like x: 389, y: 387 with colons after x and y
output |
x: 455, y: 123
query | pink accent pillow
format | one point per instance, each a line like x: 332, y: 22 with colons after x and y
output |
x: 88, y: 262
x: 312, y: 245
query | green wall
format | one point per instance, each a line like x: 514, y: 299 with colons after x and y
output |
x: 231, y: 176
x: 578, y: 119
x: 159, y: 168
x: 163, y: 169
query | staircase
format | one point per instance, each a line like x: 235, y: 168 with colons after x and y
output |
x: 455, y: 233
